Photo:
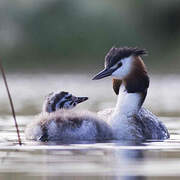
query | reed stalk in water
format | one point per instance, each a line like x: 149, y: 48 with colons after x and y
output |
x: 11, y: 103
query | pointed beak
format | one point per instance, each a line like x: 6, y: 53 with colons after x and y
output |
x: 81, y: 99
x: 103, y: 74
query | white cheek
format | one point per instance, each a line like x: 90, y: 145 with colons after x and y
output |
x: 124, y: 70
x: 67, y: 105
x: 118, y: 74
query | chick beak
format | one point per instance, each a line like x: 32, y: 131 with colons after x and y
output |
x: 104, y: 73
x: 81, y: 99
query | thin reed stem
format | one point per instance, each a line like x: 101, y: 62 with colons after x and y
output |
x: 11, y: 103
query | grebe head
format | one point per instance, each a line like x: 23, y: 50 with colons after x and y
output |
x: 61, y: 100
x: 125, y: 64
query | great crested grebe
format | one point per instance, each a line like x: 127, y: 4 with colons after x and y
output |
x: 129, y: 120
x: 58, y: 121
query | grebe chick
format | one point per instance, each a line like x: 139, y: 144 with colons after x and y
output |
x: 129, y: 120
x: 58, y: 121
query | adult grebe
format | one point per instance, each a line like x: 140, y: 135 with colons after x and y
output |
x: 129, y: 120
x: 58, y: 122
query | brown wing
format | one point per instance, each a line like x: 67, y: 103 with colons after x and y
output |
x: 116, y: 85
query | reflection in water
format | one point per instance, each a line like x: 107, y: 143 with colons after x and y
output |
x: 127, y: 158
x: 107, y: 162
x: 97, y: 160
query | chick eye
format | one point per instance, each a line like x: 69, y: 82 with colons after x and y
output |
x: 69, y: 97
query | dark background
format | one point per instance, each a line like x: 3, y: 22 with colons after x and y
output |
x: 75, y: 35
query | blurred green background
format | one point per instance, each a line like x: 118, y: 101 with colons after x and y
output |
x: 75, y: 35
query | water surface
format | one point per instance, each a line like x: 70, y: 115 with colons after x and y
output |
x: 87, y: 160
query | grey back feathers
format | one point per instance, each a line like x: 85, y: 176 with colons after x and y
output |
x: 151, y: 127
x: 68, y: 125
x: 115, y: 54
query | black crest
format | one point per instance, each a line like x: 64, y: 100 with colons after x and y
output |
x: 115, y: 54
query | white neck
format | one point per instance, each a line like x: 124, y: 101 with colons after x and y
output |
x: 128, y: 104
x: 122, y: 120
